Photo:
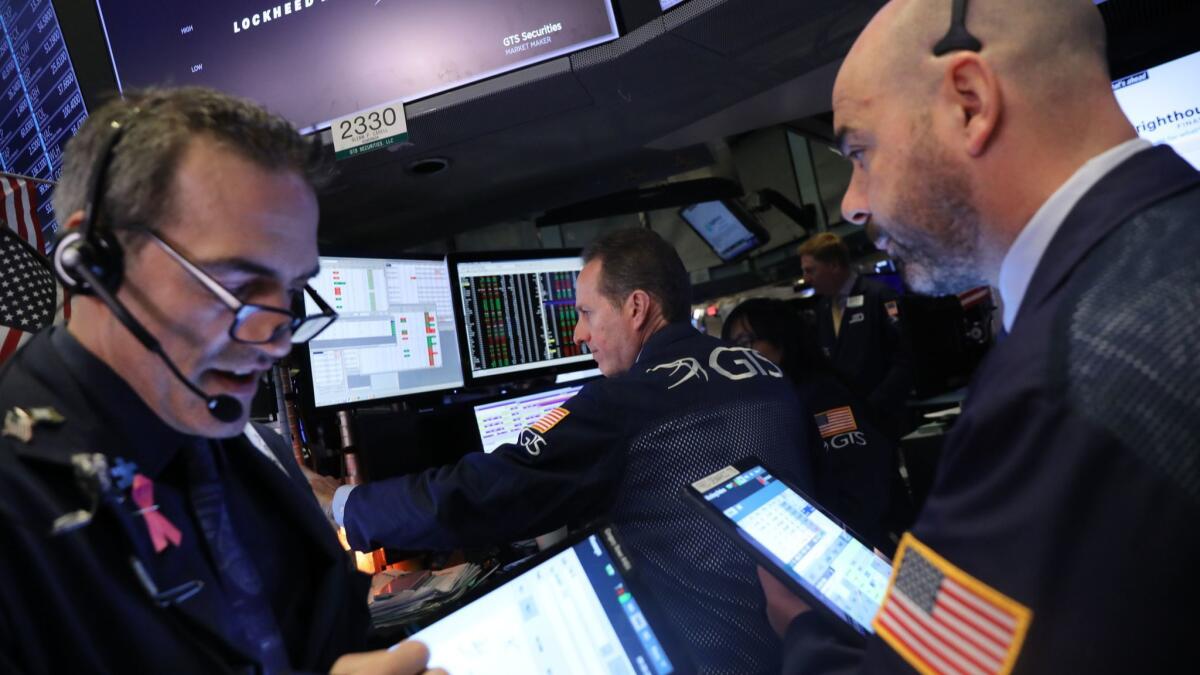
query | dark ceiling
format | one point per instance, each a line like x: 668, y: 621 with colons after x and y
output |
x: 587, y: 125
x: 618, y: 116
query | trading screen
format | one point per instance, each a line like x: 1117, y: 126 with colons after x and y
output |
x: 502, y: 422
x: 42, y: 106
x: 570, y: 614
x: 520, y: 315
x: 395, y: 333
x: 816, y: 550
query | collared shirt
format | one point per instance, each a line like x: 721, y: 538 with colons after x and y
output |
x: 1021, y: 261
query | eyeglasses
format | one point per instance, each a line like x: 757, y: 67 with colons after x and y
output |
x: 257, y: 324
x: 958, y: 38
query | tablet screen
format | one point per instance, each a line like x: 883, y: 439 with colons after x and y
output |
x: 572, y: 613
x: 816, y: 551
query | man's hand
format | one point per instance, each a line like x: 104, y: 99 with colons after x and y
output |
x: 408, y: 658
x: 323, y: 488
x: 782, y: 605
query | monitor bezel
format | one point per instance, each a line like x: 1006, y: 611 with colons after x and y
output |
x: 743, y: 216
x: 301, y: 356
x: 454, y: 259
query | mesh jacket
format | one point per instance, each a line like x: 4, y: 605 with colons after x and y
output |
x: 626, y: 447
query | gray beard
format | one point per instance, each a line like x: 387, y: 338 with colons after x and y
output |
x: 942, y: 255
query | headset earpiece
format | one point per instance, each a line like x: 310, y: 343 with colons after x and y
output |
x: 91, y: 244
x: 101, y: 253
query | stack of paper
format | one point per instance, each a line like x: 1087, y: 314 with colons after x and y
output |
x: 399, y: 597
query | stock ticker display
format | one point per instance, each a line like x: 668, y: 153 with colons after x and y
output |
x: 519, y: 319
x: 42, y: 106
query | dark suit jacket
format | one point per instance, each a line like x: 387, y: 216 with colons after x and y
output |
x: 853, y: 469
x: 868, y: 351
x: 73, y: 603
x: 1070, y: 485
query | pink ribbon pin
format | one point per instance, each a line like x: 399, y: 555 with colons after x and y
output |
x: 161, y: 530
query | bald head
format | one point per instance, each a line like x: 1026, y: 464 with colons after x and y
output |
x: 1030, y: 43
x: 953, y: 154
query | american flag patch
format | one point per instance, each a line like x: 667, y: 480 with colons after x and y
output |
x: 973, y: 297
x: 942, y: 620
x: 837, y: 421
x: 549, y: 420
x: 893, y: 309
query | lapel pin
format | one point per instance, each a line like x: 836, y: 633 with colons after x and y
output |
x: 161, y: 530
x: 19, y: 422
x: 123, y: 473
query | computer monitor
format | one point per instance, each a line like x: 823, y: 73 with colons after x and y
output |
x: 1161, y: 103
x: 518, y: 313
x: 395, y: 334
x: 502, y: 421
x: 727, y: 228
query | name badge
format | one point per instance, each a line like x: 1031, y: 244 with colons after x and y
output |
x: 854, y: 302
x: 857, y: 318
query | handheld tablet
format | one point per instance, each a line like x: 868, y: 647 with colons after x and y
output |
x: 573, y: 610
x: 806, y: 548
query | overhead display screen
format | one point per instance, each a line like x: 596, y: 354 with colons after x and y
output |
x: 1163, y: 103
x: 41, y: 107
x: 313, y: 61
x: 728, y: 230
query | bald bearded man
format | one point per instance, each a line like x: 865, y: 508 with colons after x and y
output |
x: 1061, y: 533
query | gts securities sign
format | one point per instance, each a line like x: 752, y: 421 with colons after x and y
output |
x: 314, y: 61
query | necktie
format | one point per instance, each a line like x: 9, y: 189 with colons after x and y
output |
x: 838, y: 306
x: 251, y: 616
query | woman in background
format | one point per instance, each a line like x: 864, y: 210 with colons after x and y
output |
x: 854, y: 471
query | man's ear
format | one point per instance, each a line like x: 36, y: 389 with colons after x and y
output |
x: 637, y: 308
x: 971, y: 91
x: 73, y: 221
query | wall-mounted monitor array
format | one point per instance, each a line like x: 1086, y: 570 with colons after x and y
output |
x: 314, y: 61
x: 518, y: 313
x: 395, y: 334
x: 727, y: 228
x: 1163, y: 103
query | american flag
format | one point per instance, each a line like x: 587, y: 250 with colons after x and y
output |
x: 973, y: 297
x: 547, y: 422
x: 942, y: 620
x: 837, y: 421
x: 30, y: 296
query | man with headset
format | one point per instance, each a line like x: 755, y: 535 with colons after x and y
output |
x: 146, y: 525
x: 1060, y: 535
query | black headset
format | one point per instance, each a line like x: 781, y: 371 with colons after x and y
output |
x: 958, y: 38
x: 91, y: 253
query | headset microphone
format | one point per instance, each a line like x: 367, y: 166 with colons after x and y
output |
x: 73, y: 258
